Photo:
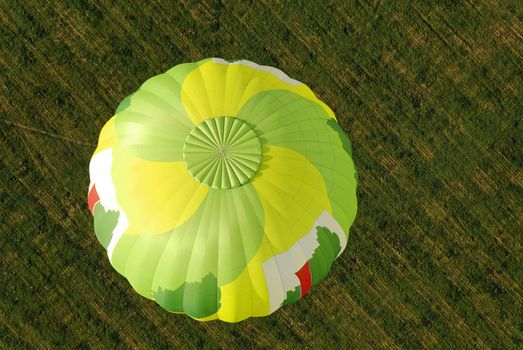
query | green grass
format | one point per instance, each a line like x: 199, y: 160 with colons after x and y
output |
x: 430, y: 95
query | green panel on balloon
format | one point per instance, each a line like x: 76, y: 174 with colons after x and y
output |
x: 197, y: 299
x: 104, y: 224
x: 324, y: 255
x: 223, y: 189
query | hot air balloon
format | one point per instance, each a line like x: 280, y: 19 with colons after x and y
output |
x: 222, y: 189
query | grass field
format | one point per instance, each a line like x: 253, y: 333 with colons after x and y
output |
x: 431, y: 96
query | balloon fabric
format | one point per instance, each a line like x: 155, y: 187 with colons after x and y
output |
x: 222, y: 189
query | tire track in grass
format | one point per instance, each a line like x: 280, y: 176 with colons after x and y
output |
x: 47, y: 133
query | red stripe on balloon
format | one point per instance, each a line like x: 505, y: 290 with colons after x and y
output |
x: 92, y: 199
x: 304, y: 275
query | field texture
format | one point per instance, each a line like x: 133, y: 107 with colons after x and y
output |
x: 430, y: 94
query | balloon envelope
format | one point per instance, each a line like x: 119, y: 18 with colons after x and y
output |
x: 222, y: 189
